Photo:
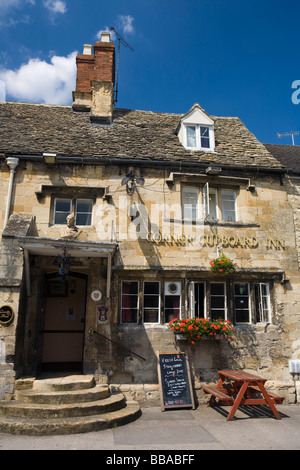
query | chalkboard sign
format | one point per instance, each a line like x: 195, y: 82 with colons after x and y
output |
x: 175, y: 381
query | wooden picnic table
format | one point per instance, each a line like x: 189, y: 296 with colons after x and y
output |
x: 241, y: 391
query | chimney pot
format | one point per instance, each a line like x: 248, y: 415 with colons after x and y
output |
x: 95, y: 79
x: 87, y: 49
x: 105, y: 36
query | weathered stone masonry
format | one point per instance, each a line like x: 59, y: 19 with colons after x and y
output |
x: 132, y: 240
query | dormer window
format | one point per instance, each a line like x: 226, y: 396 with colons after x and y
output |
x: 196, y: 131
x: 197, y: 137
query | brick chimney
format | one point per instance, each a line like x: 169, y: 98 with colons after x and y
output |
x: 95, y: 80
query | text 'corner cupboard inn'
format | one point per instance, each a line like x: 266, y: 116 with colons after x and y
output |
x: 110, y: 221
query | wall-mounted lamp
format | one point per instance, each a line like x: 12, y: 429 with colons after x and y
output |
x: 213, y: 170
x: 284, y: 279
x: 49, y: 158
x: 63, y: 264
x: 250, y: 187
x: 131, y: 181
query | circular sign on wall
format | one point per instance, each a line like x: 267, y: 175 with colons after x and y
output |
x: 6, y: 315
x: 96, y: 295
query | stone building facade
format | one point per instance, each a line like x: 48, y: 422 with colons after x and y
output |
x: 110, y: 220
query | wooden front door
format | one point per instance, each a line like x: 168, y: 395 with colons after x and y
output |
x: 63, y: 323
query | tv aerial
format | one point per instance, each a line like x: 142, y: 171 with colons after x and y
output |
x: 292, y: 133
x: 124, y: 43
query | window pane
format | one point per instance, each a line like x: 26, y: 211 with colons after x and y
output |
x: 241, y: 316
x: 228, y: 205
x: 204, y: 134
x: 204, y: 131
x: 151, y: 288
x: 129, y: 306
x: 172, y: 301
x: 241, y: 289
x: 191, y: 136
x: 217, y: 288
x: 172, y: 307
x: 84, y: 205
x: 241, y: 303
x: 262, y: 303
x: 83, y: 219
x: 63, y: 205
x: 151, y: 302
x: 190, y: 196
x: 217, y: 300
x: 212, y: 204
x: 84, y: 209
x: 216, y: 314
x: 62, y: 208
x: 199, y: 294
x: 61, y: 218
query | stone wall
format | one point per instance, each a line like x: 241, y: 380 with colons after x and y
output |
x: 11, y: 286
x: 263, y: 241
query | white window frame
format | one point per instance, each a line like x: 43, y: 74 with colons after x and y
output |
x: 55, y: 211
x: 225, y: 299
x: 264, y: 319
x: 168, y: 294
x: 72, y: 208
x: 249, y: 303
x: 198, y: 145
x: 219, y: 210
x: 223, y: 192
x: 185, y: 208
x: 159, y: 301
x: 138, y: 302
x: 89, y: 213
x: 192, y: 297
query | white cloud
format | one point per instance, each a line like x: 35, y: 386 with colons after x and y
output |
x: 124, y: 25
x: 125, y: 22
x: 8, y: 5
x: 56, y: 6
x: 41, y: 82
x: 12, y: 12
x: 2, y: 91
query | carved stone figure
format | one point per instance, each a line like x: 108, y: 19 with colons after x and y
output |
x: 70, y: 231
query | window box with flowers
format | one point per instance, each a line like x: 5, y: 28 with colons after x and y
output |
x: 223, y: 265
x: 195, y: 329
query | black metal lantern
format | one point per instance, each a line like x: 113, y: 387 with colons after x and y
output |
x: 131, y: 181
x: 63, y: 264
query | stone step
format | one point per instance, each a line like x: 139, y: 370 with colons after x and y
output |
x: 49, y: 411
x: 74, y: 425
x: 64, y: 383
x: 64, y: 405
x: 98, y: 392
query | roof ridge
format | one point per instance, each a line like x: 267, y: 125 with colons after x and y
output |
x: 35, y: 104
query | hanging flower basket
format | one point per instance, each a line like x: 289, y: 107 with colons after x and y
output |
x: 223, y: 265
x: 195, y: 329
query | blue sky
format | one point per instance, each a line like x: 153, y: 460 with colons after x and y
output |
x: 234, y: 58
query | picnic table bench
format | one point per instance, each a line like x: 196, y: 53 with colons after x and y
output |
x: 243, y: 390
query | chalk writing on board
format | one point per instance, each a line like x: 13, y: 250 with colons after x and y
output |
x: 174, y: 380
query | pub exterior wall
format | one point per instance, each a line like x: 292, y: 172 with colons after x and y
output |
x: 264, y: 241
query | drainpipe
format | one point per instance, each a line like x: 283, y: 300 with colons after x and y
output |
x: 12, y: 163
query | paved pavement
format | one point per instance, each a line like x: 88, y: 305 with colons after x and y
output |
x: 253, y: 428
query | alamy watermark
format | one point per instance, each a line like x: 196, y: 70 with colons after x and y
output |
x: 296, y: 93
x: 2, y: 91
x: 157, y: 223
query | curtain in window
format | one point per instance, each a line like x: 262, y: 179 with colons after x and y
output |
x: 126, y: 304
x: 191, y: 136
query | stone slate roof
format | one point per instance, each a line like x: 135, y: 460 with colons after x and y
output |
x: 31, y: 129
x: 288, y: 155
